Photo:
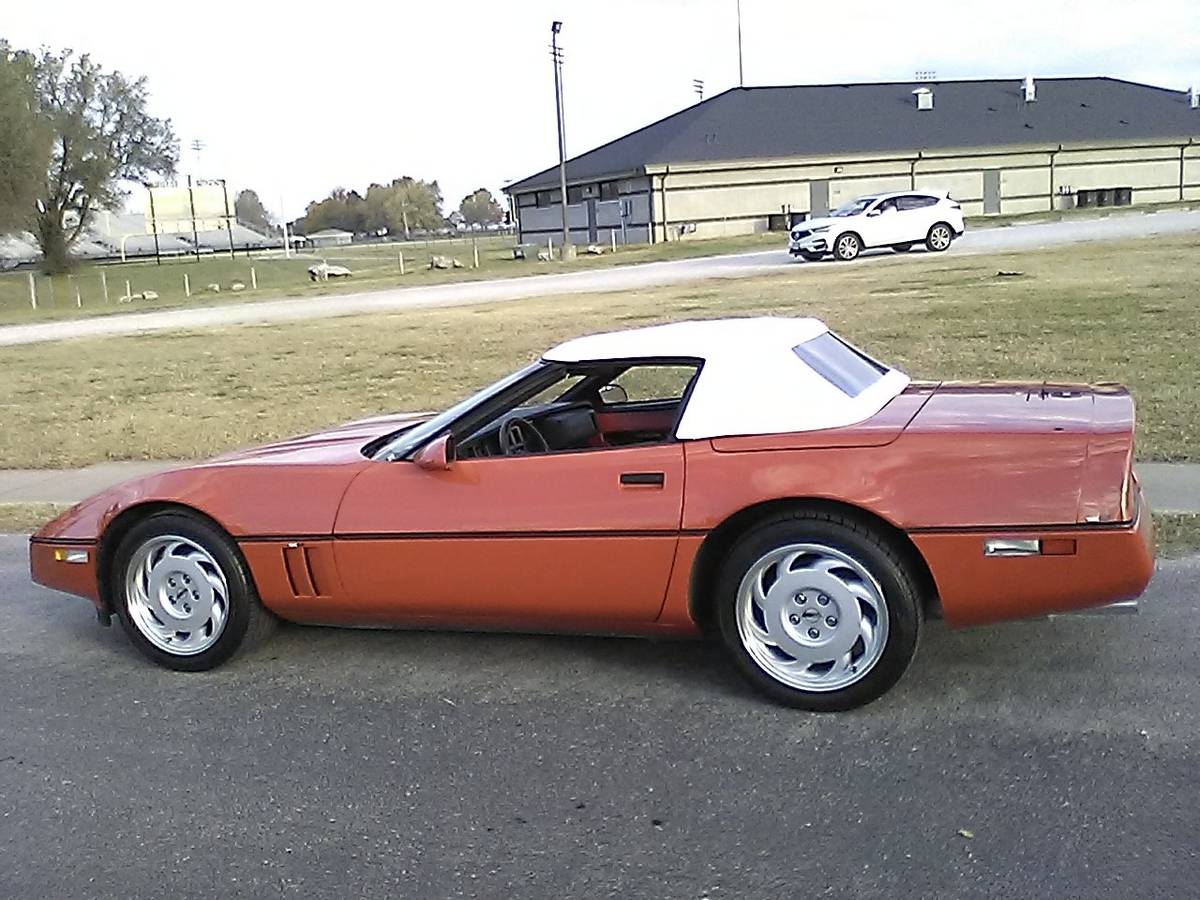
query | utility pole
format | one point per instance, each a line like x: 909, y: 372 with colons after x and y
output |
x: 741, y: 75
x: 154, y: 225
x: 229, y: 217
x: 192, y: 206
x: 555, y: 28
x: 287, y: 250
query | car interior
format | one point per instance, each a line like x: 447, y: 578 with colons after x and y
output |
x: 587, y: 408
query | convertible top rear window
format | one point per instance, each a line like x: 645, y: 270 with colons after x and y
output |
x: 847, y: 369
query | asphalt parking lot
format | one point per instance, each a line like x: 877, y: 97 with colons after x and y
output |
x: 1050, y: 758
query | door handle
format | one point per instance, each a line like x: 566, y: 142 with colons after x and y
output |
x: 652, y: 479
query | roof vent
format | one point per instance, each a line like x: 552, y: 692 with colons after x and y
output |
x: 924, y: 98
x: 1194, y: 97
x: 1030, y: 89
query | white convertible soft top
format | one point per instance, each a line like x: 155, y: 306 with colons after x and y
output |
x: 753, y: 380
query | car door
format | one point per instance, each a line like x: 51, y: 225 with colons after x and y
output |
x: 884, y: 224
x: 580, y: 534
x: 577, y: 540
x: 918, y: 214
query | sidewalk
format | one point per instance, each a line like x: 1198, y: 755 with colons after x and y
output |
x: 1170, y: 487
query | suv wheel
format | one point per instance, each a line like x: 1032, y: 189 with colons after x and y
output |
x: 847, y: 247
x: 939, y: 238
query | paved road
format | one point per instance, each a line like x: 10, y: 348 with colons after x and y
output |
x: 375, y: 764
x: 1018, y: 237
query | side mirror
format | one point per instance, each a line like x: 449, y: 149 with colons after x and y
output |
x: 437, y: 455
x: 613, y: 393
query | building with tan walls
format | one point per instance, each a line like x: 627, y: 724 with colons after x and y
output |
x: 760, y: 157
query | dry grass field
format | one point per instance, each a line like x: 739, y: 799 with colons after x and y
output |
x: 1125, y: 312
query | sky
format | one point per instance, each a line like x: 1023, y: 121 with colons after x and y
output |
x: 296, y: 99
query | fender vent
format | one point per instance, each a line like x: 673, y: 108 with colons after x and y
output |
x: 301, y: 578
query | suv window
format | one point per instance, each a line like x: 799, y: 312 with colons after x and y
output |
x: 849, y: 370
x: 916, y: 201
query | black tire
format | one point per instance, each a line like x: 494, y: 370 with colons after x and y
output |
x: 847, y: 247
x: 869, y: 549
x: 902, y: 248
x: 247, y: 622
x: 939, y: 238
x: 813, y: 257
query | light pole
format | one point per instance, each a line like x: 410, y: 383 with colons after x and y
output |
x: 741, y: 77
x: 555, y: 28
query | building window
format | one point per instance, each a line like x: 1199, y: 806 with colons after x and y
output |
x: 547, y: 198
x: 524, y: 200
x: 574, y: 195
x: 1121, y: 196
x: 608, y: 190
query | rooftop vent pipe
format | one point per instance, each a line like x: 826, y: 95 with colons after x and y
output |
x: 924, y: 98
x: 1194, y: 97
x: 1030, y: 89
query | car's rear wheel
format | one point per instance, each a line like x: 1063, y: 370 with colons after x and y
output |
x: 847, y: 247
x: 183, y: 593
x: 939, y: 238
x: 818, y: 610
x: 902, y: 248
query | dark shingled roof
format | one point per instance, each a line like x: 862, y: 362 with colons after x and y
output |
x: 831, y: 119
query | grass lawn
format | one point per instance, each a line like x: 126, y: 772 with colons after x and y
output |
x: 375, y: 267
x: 1177, y: 534
x: 1126, y: 312
x: 24, y: 518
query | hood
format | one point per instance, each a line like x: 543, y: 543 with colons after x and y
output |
x: 821, y: 222
x: 342, y: 443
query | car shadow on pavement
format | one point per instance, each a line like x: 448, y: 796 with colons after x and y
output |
x: 1047, y: 661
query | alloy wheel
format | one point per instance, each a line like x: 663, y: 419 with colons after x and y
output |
x: 177, y: 595
x: 812, y: 617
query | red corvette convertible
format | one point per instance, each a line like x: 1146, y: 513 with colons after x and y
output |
x: 760, y: 480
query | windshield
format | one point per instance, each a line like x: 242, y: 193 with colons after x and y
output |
x: 414, y: 437
x: 854, y: 207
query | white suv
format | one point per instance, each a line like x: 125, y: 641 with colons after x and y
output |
x: 899, y: 220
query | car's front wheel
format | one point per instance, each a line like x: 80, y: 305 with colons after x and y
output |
x: 939, y: 238
x: 818, y: 610
x: 847, y: 247
x: 183, y: 593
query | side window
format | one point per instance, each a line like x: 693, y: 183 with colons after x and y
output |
x: 647, y: 384
x: 916, y: 201
x: 848, y: 369
x: 886, y: 205
x: 554, y: 391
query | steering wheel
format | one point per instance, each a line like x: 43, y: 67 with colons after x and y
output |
x: 519, y: 436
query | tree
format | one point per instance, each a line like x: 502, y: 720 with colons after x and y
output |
x: 341, y: 209
x: 24, y: 141
x: 250, y: 212
x: 403, y: 205
x: 101, y: 135
x: 481, y: 208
